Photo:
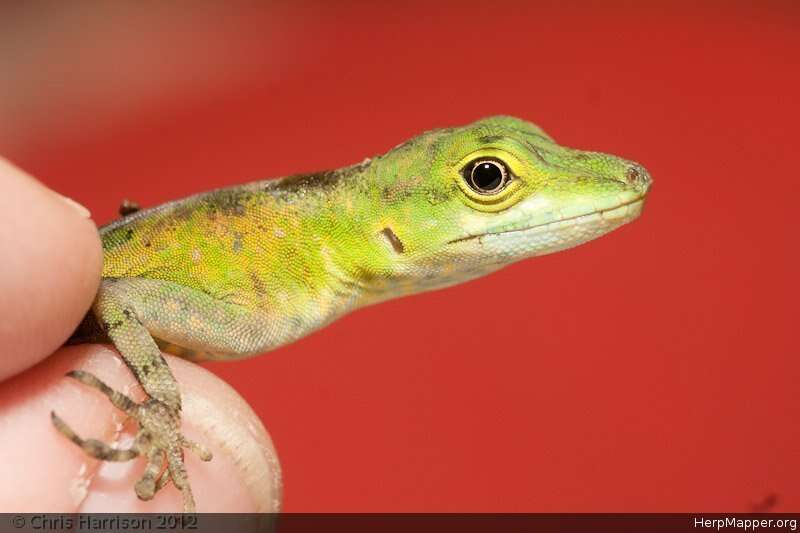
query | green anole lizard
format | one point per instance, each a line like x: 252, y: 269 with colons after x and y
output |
x: 236, y: 272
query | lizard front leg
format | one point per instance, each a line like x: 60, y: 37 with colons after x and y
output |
x: 191, y: 322
x: 159, y: 436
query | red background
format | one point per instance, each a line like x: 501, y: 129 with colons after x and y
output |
x: 653, y: 370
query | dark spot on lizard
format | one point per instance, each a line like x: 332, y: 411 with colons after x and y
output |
x: 490, y: 139
x: 302, y: 182
x: 107, y: 327
x: 237, y: 242
x: 97, y: 450
x: 228, y: 202
x: 116, y: 236
x: 393, y: 239
x: 437, y: 196
x: 401, y: 188
x: 258, y: 285
x: 130, y: 315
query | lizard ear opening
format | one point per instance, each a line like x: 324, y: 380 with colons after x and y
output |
x: 393, y: 239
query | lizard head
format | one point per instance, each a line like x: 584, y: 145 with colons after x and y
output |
x: 459, y: 203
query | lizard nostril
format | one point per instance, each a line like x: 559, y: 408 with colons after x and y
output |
x: 633, y: 176
x: 637, y: 177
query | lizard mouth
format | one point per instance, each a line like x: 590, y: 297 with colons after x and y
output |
x: 617, y: 215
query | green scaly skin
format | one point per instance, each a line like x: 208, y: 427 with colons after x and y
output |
x: 236, y: 272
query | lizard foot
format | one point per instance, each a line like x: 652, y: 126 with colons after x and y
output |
x: 159, y: 439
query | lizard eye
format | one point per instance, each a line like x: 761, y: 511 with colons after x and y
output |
x: 486, y: 176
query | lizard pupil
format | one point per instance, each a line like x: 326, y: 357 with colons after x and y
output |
x: 487, y: 176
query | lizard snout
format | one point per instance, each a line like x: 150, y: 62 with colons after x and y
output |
x: 637, y: 176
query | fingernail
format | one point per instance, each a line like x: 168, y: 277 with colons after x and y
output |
x: 82, y: 211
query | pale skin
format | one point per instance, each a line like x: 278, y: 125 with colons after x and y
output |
x: 240, y: 271
x: 58, y: 252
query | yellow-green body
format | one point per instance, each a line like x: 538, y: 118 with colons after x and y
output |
x: 236, y: 272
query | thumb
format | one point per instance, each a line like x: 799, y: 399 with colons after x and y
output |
x: 43, y: 471
x: 51, y: 267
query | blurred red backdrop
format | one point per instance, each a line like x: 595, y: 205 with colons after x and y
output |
x: 653, y: 370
